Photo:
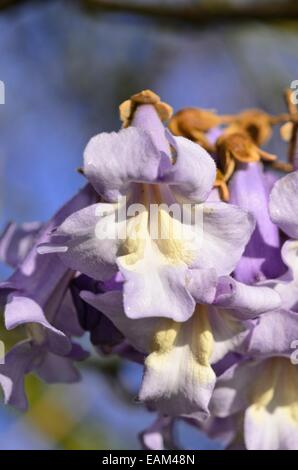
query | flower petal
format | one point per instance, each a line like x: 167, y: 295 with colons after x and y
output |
x: 18, y: 362
x: 266, y: 431
x: 245, y: 301
x: 159, y: 436
x: 231, y: 393
x: 271, y: 420
x: 155, y: 271
x: 56, y: 369
x: 178, y: 378
x: 193, y: 173
x: 154, y: 289
x: 23, y: 310
x: 202, y: 285
x: 87, y: 241
x: 112, y: 161
x: 228, y: 333
x: 138, y: 332
x: 283, y: 204
x: 16, y: 241
x: 274, y: 334
x: 226, y: 231
x: 261, y: 259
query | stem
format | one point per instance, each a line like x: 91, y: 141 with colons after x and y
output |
x: 202, y: 13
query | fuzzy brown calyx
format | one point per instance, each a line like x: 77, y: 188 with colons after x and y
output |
x: 194, y: 123
x: 236, y: 146
x: 128, y: 107
x: 257, y: 124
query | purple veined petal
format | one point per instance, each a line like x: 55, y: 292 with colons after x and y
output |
x: 21, y: 310
x: 18, y: 362
x: 155, y: 269
x: 274, y: 334
x: 178, y: 378
x: 229, y: 334
x: 159, y: 435
x: 146, y: 118
x: 91, y: 241
x: 193, y: 172
x: 283, y: 204
x: 261, y: 259
x: 113, y: 161
x: 226, y: 231
x: 16, y: 241
x: 138, y: 332
x: 155, y: 289
x: 231, y: 393
x: 271, y: 420
x: 245, y: 301
x: 202, y: 285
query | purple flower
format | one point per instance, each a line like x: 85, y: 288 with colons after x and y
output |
x: 266, y: 391
x: 261, y: 260
x: 39, y: 354
x: 179, y: 378
x: 36, y: 297
x: 16, y: 241
x: 164, y: 276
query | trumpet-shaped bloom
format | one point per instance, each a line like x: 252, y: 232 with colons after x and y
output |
x: 266, y: 389
x: 179, y: 378
x: 168, y: 262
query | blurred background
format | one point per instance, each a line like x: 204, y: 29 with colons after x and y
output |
x: 67, y: 65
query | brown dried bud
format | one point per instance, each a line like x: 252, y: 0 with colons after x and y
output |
x: 191, y: 122
x: 256, y: 123
x: 235, y: 146
x: 128, y: 107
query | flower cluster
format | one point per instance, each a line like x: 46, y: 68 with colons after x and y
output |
x: 181, y: 254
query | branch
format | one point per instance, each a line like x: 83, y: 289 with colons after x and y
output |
x: 9, y: 3
x: 202, y: 13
